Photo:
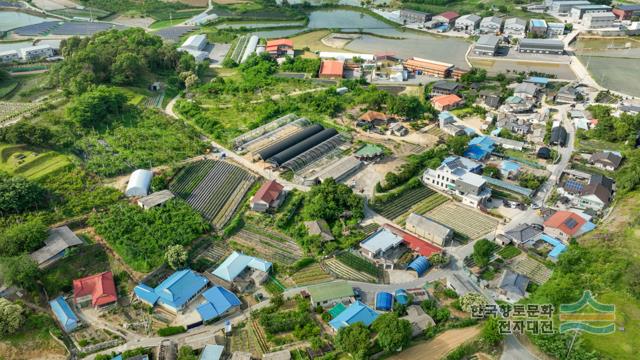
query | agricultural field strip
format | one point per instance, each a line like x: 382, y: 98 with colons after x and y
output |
x: 312, y: 274
x: 398, y: 206
x: 462, y: 220
x: 282, y: 239
x: 536, y: 271
x: 224, y: 215
x: 190, y: 177
x: 266, y: 245
x: 9, y: 110
x: 344, y: 272
x: 426, y: 205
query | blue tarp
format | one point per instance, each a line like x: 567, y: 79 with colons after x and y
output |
x: 66, y: 317
x: 537, y: 80
x: 384, y: 301
x: 419, y: 265
x: 356, y: 312
x: 476, y: 153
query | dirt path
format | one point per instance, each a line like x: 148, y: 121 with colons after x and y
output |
x: 440, y: 346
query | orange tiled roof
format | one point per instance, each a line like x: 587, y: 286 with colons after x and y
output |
x: 331, y: 68
x: 565, y: 221
x: 446, y: 100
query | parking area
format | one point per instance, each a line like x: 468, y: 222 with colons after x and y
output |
x: 464, y: 220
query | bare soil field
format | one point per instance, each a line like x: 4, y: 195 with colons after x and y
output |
x: 440, y: 346
x: 54, y: 4
x: 143, y: 22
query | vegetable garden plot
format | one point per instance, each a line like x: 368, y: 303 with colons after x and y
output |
x: 464, y: 220
x: 343, y: 271
x: 312, y: 274
x: 426, y: 205
x: 395, y: 207
x: 270, y: 247
x: 213, y: 188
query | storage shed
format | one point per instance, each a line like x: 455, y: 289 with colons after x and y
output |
x: 384, y: 301
x: 420, y: 265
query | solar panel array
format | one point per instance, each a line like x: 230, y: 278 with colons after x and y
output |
x: 36, y: 29
x: 571, y: 223
x: 174, y: 33
x: 573, y: 186
x: 83, y: 28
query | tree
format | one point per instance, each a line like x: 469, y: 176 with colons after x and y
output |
x: 475, y: 75
x: 354, y: 340
x: 330, y: 200
x: 482, y: 251
x: 189, y: 78
x: 93, y: 108
x: 22, y: 237
x: 439, y: 259
x: 176, y: 256
x: 20, y: 271
x: 393, y: 333
x: 407, y: 106
x: 491, y: 331
x: 18, y: 194
x: 26, y: 133
x: 126, y: 68
x: 4, y: 75
x: 491, y: 171
x: 457, y: 144
x: 186, y: 353
x: 471, y: 300
x: 11, y: 317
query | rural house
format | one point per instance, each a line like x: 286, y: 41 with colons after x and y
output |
x: 269, y: 196
x: 97, y: 290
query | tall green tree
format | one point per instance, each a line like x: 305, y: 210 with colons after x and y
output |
x: 20, y: 271
x: 11, y: 317
x: 491, y: 331
x: 18, y: 194
x: 22, y: 237
x: 482, y: 251
x: 407, y: 106
x: 330, y: 199
x: 354, y: 340
x: 176, y: 256
x: 96, y: 107
x: 393, y: 333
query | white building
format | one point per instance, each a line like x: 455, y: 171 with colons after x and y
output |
x: 598, y: 20
x: 8, y: 56
x: 577, y: 12
x: 195, y: 45
x: 455, y: 177
x: 515, y: 27
x: 467, y: 23
x: 555, y: 29
x: 36, y: 52
x: 490, y: 25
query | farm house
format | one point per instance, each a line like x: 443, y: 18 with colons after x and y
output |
x: 139, y: 183
x: 234, y: 270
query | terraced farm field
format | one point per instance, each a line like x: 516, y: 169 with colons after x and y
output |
x: 424, y: 206
x: 403, y: 203
x: 464, y: 220
x: 9, y: 110
x: 213, y: 188
x: 271, y: 245
x: 534, y: 270
x: 312, y: 274
x: 23, y: 161
x: 343, y: 271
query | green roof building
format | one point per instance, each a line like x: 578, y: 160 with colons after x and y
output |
x: 369, y: 151
x: 331, y: 293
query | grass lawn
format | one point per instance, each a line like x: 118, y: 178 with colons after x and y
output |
x: 312, y: 41
x: 34, y: 165
x: 595, y: 145
x: 509, y: 252
x: 33, y: 341
x: 30, y: 87
x: 84, y: 261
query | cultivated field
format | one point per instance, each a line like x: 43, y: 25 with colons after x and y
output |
x: 23, y: 161
x: 534, y: 270
x: 9, y: 110
x: 214, y: 188
x: 424, y: 206
x: 343, y: 271
x: 440, y: 346
x: 312, y: 274
x: 396, y: 207
x: 270, y: 245
x: 464, y: 220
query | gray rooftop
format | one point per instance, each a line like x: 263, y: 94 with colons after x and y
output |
x: 515, y: 21
x: 514, y: 283
x: 488, y: 40
x: 59, y: 240
x: 429, y: 225
x: 523, y: 233
x: 549, y: 43
x: 155, y: 199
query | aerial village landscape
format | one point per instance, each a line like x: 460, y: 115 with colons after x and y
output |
x: 257, y: 179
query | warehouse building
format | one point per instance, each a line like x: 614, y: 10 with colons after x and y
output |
x: 428, y: 229
x: 409, y: 16
x: 541, y: 46
x: 467, y: 23
x: 36, y: 52
x: 515, y: 27
x: 9, y: 56
x: 577, y: 12
x: 564, y: 7
x: 341, y: 169
x: 599, y: 20
x: 490, y: 25
x: 487, y: 45
x: 429, y: 67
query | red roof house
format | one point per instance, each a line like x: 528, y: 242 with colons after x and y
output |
x: 98, y: 290
x: 564, y: 224
x: 270, y: 195
x: 280, y: 47
x: 331, y: 69
x: 446, y: 102
x: 416, y: 244
x: 449, y: 16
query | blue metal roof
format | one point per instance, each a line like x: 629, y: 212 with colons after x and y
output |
x: 509, y: 166
x: 384, y: 301
x: 175, y: 291
x: 233, y: 265
x: 117, y: 357
x: 401, y: 296
x: 212, y: 352
x: 496, y: 131
x: 356, y: 312
x: 484, y: 142
x: 538, y: 22
x: 445, y: 115
x: 219, y: 300
x: 64, y: 314
x: 476, y: 153
x: 419, y: 265
x: 558, y: 246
